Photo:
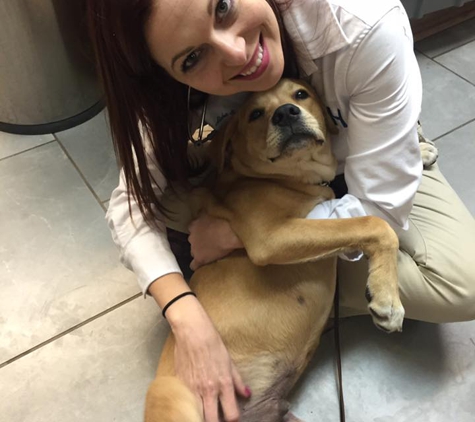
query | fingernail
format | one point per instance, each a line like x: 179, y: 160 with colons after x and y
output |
x: 248, y: 392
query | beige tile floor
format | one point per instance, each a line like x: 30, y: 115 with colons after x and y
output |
x: 78, y: 343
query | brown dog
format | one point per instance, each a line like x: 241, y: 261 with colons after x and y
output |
x: 271, y: 302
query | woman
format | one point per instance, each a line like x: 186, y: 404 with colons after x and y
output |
x: 359, y: 57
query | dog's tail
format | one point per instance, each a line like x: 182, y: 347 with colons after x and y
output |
x: 170, y: 400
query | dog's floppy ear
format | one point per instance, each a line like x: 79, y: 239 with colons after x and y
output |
x: 221, y: 148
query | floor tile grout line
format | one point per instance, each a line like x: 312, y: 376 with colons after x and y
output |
x: 450, y: 70
x: 69, y: 330
x: 452, y: 49
x: 426, y: 56
x: 103, y: 206
x: 456, y: 74
x: 446, y: 68
x: 96, y: 197
x: 453, y: 130
x: 27, y: 150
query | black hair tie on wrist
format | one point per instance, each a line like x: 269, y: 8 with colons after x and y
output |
x: 175, y: 300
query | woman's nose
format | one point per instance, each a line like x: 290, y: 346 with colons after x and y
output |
x: 232, y: 48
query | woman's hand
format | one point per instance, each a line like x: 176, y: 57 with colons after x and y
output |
x: 211, y: 239
x: 202, y: 361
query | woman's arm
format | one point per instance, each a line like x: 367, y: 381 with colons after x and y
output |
x: 384, y: 168
x: 143, y: 250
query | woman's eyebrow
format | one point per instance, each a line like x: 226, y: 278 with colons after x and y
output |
x: 188, y: 50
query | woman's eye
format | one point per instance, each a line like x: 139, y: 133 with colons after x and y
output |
x: 256, y: 114
x: 222, y: 9
x: 190, y: 61
x: 301, y: 94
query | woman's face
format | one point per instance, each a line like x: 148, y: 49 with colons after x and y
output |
x: 220, y: 47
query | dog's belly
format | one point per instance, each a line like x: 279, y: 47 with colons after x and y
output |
x: 277, y: 308
x: 270, y: 319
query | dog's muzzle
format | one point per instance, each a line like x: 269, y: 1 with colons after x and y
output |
x: 293, y: 130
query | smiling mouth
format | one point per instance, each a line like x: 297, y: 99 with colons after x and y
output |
x: 258, y: 63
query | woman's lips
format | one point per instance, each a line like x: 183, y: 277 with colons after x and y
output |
x: 258, y: 64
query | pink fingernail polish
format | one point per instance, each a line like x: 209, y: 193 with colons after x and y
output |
x: 248, y: 392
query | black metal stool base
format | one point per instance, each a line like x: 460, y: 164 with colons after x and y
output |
x: 53, y: 127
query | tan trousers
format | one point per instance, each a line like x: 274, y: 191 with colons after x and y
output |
x: 436, y: 259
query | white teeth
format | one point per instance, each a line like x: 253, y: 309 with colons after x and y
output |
x: 260, y: 55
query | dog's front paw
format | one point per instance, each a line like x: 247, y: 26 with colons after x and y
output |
x: 387, y: 311
x: 429, y: 153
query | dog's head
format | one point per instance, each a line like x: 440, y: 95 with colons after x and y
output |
x: 280, y: 133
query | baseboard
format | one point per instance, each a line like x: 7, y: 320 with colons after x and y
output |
x: 435, y: 22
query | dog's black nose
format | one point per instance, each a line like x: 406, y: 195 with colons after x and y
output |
x: 285, y: 115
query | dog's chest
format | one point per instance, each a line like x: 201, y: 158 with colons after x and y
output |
x: 253, y: 199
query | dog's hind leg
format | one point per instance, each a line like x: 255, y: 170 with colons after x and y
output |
x: 170, y: 400
x: 270, y: 405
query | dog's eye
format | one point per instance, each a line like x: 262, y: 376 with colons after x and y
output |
x: 258, y: 112
x: 301, y: 94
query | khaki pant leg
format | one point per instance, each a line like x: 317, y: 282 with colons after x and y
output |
x: 436, y: 261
